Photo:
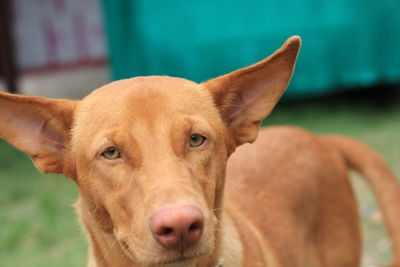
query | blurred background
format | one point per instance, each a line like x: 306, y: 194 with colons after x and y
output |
x: 347, y: 81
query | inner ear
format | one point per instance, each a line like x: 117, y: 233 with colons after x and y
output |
x: 246, y: 96
x: 39, y: 127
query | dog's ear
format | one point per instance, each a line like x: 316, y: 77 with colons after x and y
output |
x: 246, y: 96
x: 39, y: 127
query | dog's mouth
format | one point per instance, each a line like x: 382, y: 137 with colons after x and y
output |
x: 169, y: 258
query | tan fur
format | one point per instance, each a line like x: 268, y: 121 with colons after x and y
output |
x: 284, y: 200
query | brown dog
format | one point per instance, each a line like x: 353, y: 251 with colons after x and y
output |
x: 149, y: 156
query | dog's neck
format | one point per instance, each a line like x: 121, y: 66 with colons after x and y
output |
x: 105, y: 251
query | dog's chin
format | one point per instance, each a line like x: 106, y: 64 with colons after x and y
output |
x: 178, y: 262
x: 167, y: 258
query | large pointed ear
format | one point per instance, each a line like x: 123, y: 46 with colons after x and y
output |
x: 246, y: 96
x: 39, y: 127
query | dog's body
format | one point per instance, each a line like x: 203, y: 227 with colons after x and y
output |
x: 149, y: 156
x: 297, y: 200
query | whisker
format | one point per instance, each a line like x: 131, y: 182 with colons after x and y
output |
x: 109, y: 250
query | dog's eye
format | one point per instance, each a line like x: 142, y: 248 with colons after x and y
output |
x: 111, y: 153
x: 196, y: 140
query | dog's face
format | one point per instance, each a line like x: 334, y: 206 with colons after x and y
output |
x: 149, y: 153
x: 159, y: 142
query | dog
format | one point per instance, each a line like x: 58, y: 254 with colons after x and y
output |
x: 150, y: 158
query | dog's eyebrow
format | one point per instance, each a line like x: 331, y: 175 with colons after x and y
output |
x: 200, y: 126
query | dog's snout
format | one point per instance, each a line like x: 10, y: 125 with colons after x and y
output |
x: 177, y: 227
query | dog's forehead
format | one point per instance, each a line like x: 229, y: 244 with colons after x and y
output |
x: 147, y: 98
x: 146, y: 91
x: 136, y: 86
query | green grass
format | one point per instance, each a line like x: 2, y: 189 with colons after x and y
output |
x: 38, y: 226
x: 37, y: 223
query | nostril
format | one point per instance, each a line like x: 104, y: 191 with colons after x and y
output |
x: 195, y: 226
x: 166, y: 231
x: 194, y: 233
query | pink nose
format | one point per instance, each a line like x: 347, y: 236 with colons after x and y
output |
x: 177, y: 227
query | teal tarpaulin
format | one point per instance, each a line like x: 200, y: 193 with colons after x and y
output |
x: 346, y: 43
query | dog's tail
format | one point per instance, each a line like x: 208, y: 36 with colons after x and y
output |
x: 382, y: 180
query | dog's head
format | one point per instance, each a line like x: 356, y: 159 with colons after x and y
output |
x: 149, y: 153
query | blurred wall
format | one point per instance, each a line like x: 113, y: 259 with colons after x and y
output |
x: 53, y: 33
x: 346, y: 43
